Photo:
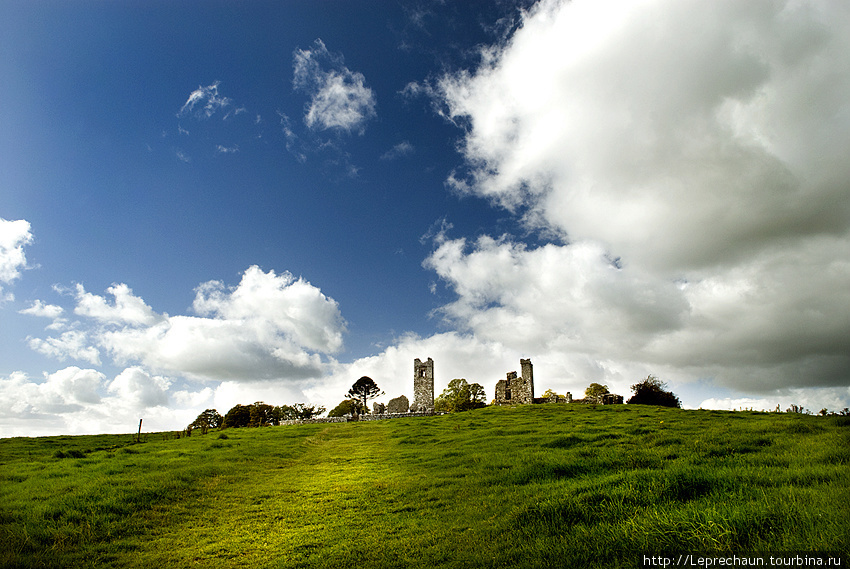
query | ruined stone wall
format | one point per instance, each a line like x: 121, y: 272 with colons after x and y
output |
x: 516, y: 389
x: 502, y: 392
x: 612, y: 399
x: 423, y: 385
x: 395, y: 416
x: 350, y: 418
x: 312, y: 421
x: 398, y: 405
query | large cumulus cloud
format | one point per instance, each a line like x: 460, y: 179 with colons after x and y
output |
x: 689, y: 160
x: 269, y: 326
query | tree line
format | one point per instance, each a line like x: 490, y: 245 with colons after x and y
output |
x: 458, y: 396
x: 257, y: 414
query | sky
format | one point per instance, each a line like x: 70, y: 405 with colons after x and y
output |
x: 205, y: 204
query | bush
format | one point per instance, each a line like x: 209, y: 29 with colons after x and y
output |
x: 346, y: 407
x: 652, y: 391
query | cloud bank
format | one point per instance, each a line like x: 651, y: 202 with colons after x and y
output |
x: 269, y: 326
x: 687, y: 161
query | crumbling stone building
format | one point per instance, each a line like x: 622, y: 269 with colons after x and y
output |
x: 423, y: 385
x: 398, y: 405
x: 517, y: 389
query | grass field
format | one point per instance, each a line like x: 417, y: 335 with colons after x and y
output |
x: 535, y: 486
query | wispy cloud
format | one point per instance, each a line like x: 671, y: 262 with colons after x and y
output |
x: 339, y: 97
x: 204, y: 102
x: 400, y: 150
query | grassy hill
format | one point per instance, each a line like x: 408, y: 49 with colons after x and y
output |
x: 539, y: 486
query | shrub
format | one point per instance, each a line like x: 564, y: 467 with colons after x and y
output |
x: 652, y: 391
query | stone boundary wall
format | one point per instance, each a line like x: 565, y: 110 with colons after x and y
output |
x: 351, y: 419
x: 312, y: 421
x: 394, y: 416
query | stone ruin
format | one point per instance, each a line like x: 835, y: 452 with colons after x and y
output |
x: 517, y: 389
x: 398, y: 405
x: 514, y: 389
x: 612, y: 399
x: 423, y: 386
x: 555, y: 398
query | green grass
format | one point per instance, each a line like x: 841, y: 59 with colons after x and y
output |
x: 540, y: 486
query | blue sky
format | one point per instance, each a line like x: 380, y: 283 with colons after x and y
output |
x: 211, y: 203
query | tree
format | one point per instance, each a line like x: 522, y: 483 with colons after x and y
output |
x: 346, y: 407
x: 363, y: 390
x: 595, y: 391
x: 298, y: 411
x: 238, y: 416
x: 209, y: 419
x: 460, y: 396
x: 261, y: 415
x: 652, y: 391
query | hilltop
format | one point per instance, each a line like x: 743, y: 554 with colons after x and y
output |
x: 531, y: 486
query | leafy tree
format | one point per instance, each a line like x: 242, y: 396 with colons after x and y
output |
x: 549, y: 393
x: 363, y: 390
x: 346, y: 407
x: 595, y: 391
x: 652, y: 391
x: 460, y: 396
x: 238, y: 416
x: 298, y: 411
x: 261, y: 415
x: 209, y: 419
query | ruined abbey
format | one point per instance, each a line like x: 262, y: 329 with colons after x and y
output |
x: 515, y: 389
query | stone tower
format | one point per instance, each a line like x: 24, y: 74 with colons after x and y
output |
x: 517, y: 389
x: 527, y: 382
x: 423, y: 385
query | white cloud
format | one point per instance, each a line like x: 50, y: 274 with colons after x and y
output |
x: 679, y: 134
x: 204, y: 102
x: 701, y: 144
x: 339, y: 97
x: 83, y: 401
x: 832, y: 399
x: 69, y: 390
x: 125, y: 309
x: 270, y: 326
x: 38, y: 308
x: 14, y: 235
x: 403, y: 148
x: 137, y: 388
x: 455, y: 355
x: 73, y: 344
